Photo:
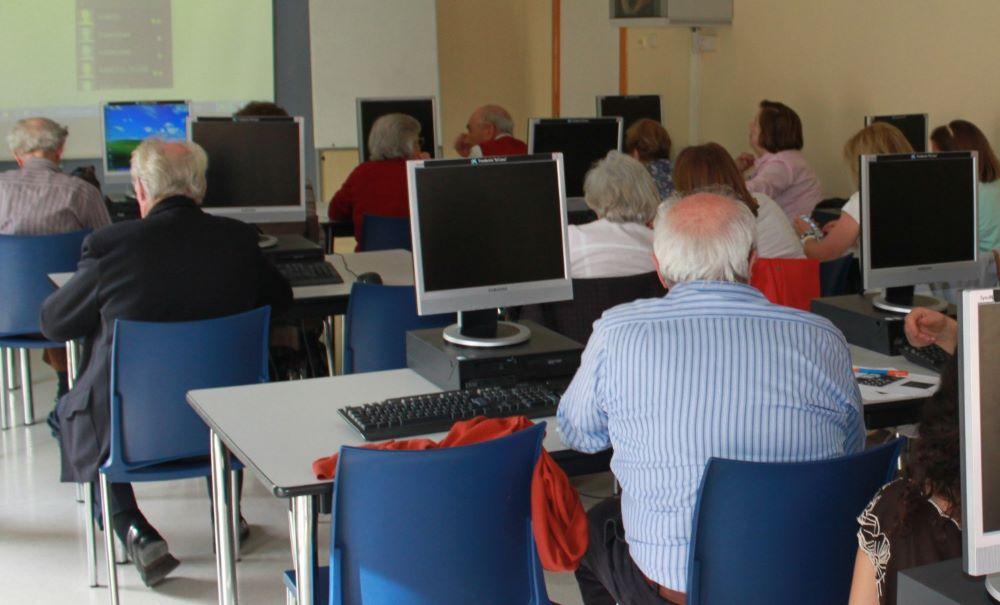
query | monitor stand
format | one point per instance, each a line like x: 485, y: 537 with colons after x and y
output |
x: 481, y: 329
x: 993, y: 586
x: 903, y: 300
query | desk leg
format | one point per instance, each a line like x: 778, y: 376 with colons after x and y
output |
x: 26, y: 393
x: 304, y: 542
x: 328, y: 341
x: 4, y: 416
x: 222, y: 498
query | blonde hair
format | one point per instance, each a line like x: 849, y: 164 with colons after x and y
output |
x: 877, y: 139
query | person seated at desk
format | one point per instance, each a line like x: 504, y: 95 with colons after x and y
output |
x: 648, y: 141
x: 916, y: 519
x: 665, y: 382
x: 622, y: 194
x: 489, y: 132
x: 777, y: 167
x: 378, y: 186
x: 710, y: 164
x: 176, y: 264
x: 841, y: 235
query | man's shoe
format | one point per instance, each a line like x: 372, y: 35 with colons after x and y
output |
x: 149, y: 552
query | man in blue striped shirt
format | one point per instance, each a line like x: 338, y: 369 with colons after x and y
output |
x: 711, y: 369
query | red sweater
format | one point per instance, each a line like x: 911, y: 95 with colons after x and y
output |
x: 507, y: 145
x: 376, y: 187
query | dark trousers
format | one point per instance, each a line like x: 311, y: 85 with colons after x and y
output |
x: 607, y: 573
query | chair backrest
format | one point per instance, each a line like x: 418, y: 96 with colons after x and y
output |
x: 834, y: 276
x: 592, y: 297
x: 378, y: 318
x: 25, y: 262
x: 792, y: 282
x: 442, y: 527
x: 753, y: 520
x: 385, y: 233
x: 154, y: 365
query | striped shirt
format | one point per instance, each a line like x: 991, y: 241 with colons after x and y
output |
x: 711, y: 369
x: 39, y: 199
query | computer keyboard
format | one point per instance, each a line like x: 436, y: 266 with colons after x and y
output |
x: 876, y: 380
x: 422, y: 414
x: 310, y: 273
x: 931, y: 357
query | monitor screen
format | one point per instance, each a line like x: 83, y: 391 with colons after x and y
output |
x: 631, y: 108
x: 255, y: 167
x: 582, y: 141
x: 126, y: 124
x: 913, y: 126
x: 422, y: 109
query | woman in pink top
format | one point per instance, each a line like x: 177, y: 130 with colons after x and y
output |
x: 777, y: 167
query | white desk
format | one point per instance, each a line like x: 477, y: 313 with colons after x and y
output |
x: 395, y: 267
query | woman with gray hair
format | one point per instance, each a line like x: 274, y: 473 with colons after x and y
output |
x: 378, y: 186
x: 623, y: 195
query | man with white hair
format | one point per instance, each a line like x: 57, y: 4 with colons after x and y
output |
x: 489, y: 132
x: 176, y: 264
x: 711, y: 369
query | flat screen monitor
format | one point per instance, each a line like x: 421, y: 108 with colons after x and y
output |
x: 979, y: 321
x: 125, y: 124
x: 582, y: 142
x: 912, y: 125
x: 423, y: 109
x: 631, y: 108
x: 256, y: 171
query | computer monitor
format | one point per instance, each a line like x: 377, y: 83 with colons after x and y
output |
x: 918, y: 223
x: 979, y: 381
x: 423, y: 109
x: 582, y: 141
x: 125, y: 124
x: 488, y: 233
x: 912, y: 125
x: 256, y: 171
x: 631, y: 108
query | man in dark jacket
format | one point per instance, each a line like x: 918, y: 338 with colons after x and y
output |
x: 176, y: 264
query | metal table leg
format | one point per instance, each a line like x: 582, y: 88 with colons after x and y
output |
x: 304, y: 541
x: 26, y: 395
x: 225, y: 556
x: 328, y: 341
x: 5, y: 418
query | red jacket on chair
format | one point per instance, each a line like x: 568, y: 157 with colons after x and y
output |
x: 792, y: 282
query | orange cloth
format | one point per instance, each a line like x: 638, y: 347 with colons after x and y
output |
x: 792, y: 282
x: 558, y: 519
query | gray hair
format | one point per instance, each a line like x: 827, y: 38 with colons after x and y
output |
x: 704, y: 236
x: 37, y: 134
x: 620, y: 189
x: 498, y: 116
x: 170, y: 168
x: 394, y: 135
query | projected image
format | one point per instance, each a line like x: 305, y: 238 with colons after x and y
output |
x: 123, y: 44
x: 127, y: 124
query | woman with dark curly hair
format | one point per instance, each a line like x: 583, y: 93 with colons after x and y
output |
x: 916, y: 520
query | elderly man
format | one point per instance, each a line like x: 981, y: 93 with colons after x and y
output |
x: 176, y: 264
x: 711, y: 369
x: 489, y: 132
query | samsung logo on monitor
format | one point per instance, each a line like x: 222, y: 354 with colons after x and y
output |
x: 498, y: 289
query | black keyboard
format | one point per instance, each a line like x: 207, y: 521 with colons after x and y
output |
x: 436, y: 412
x: 310, y: 273
x: 876, y: 380
x: 931, y: 357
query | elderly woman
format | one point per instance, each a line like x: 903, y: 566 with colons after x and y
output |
x: 379, y: 186
x: 624, y: 197
x: 648, y: 141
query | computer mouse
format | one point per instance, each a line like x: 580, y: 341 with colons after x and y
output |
x: 370, y: 278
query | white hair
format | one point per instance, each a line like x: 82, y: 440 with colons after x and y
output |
x: 394, y: 135
x: 704, y: 236
x: 170, y: 168
x: 36, y: 134
x: 498, y: 116
x: 620, y: 189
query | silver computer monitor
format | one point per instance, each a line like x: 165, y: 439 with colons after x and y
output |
x: 979, y: 318
x: 630, y: 108
x: 256, y: 171
x: 912, y: 125
x: 124, y: 124
x: 918, y: 222
x: 423, y: 109
x: 488, y: 233
x: 582, y: 142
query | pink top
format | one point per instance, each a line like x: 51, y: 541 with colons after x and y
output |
x: 786, y: 178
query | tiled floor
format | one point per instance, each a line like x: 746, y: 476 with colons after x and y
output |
x: 42, y: 551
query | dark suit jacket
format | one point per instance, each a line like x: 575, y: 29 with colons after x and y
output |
x: 177, y: 264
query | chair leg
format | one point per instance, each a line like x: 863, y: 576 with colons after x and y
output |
x: 289, y: 597
x: 234, y: 518
x: 11, y: 362
x: 79, y: 493
x: 29, y: 405
x: 89, y: 530
x: 109, y: 539
x: 4, y: 394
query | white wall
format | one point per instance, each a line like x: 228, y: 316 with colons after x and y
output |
x: 589, y: 53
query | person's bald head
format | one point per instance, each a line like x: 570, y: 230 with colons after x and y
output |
x: 488, y: 122
x: 162, y: 169
x: 37, y: 137
x: 705, y: 236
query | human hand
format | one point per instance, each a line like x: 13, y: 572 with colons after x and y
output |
x: 801, y: 227
x: 423, y: 155
x: 462, y: 145
x: 745, y: 161
x: 925, y: 327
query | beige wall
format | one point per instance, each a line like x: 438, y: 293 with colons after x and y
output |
x: 659, y: 63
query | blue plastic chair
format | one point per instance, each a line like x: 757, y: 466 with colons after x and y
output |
x: 385, y: 233
x: 769, y: 533
x: 441, y: 527
x: 25, y: 263
x: 376, y: 323
x: 155, y: 435
x: 834, y: 275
